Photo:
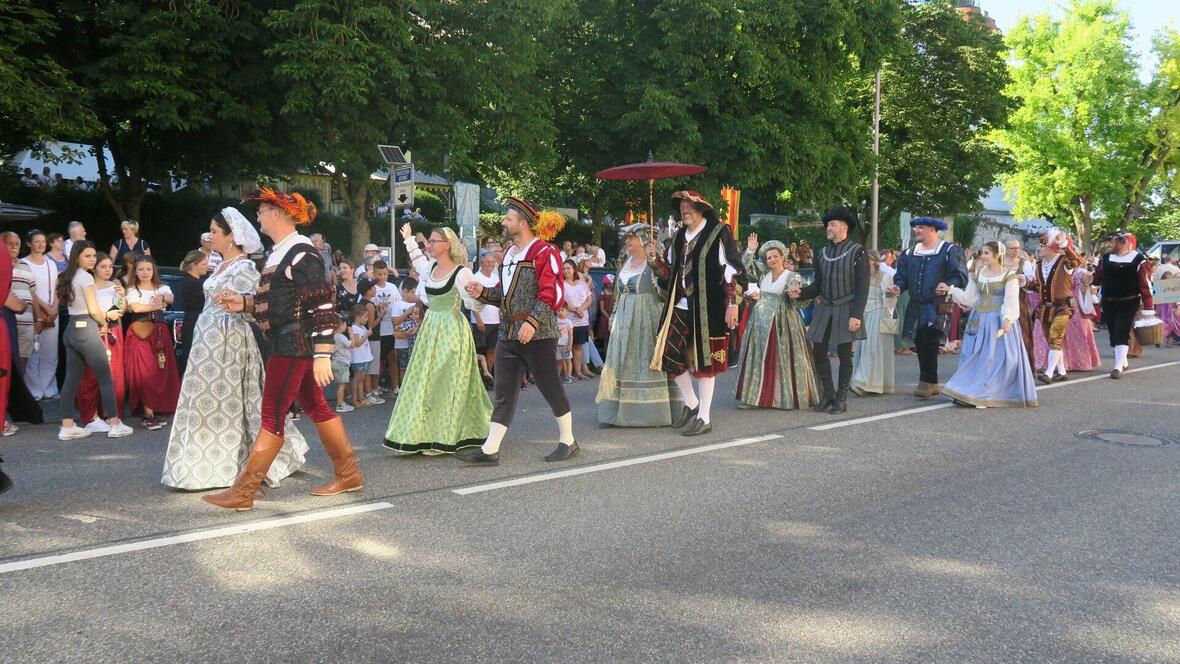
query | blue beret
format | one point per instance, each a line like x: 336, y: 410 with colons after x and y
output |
x: 938, y: 224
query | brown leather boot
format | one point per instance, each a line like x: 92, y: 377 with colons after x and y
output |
x: 339, y: 449
x: 241, y: 495
x: 923, y: 390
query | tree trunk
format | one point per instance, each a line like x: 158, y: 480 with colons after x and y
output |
x: 357, y: 198
x: 1083, y: 223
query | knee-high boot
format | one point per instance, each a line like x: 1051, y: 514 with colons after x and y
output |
x: 339, y: 449
x: 840, y: 402
x: 240, y: 496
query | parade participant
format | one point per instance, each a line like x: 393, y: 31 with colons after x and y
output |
x: 220, y: 404
x: 7, y: 358
x: 443, y: 377
x: 872, y: 363
x: 111, y: 297
x: 630, y: 392
x: 153, y: 382
x: 1052, y: 278
x: 919, y: 271
x: 1125, y: 277
x: 993, y: 366
x: 294, y: 307
x: 840, y: 290
x: 1017, y: 261
x: 1079, y: 345
x: 528, y: 297
x: 703, y: 275
x: 775, y: 365
x: 83, y: 341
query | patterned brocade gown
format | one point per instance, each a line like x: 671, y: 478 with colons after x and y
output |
x: 220, y: 408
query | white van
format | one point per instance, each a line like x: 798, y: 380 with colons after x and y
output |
x: 1166, y: 248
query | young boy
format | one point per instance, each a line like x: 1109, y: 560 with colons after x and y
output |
x: 387, y: 298
x: 565, y: 335
x: 342, y: 366
x: 401, y: 312
x: 361, y: 354
x: 365, y: 290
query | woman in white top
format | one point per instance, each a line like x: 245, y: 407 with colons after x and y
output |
x: 41, y: 369
x: 993, y: 366
x: 83, y: 342
x: 872, y: 365
x: 153, y: 382
x: 112, y: 300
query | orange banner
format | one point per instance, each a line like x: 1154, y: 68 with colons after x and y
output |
x: 733, y: 200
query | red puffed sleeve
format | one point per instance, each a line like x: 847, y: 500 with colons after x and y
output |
x: 1145, y: 286
x: 547, y: 264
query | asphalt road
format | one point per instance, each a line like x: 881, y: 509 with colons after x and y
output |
x: 944, y: 535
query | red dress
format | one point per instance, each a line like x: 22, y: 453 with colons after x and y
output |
x: 149, y: 365
x: 89, y: 399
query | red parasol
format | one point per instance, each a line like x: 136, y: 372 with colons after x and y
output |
x: 650, y: 171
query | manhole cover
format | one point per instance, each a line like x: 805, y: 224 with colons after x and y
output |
x: 1127, y: 438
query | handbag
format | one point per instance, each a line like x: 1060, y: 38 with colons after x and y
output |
x: 890, y: 326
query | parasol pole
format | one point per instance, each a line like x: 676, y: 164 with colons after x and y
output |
x: 651, y: 210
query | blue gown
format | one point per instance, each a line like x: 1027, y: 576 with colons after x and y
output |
x: 992, y: 371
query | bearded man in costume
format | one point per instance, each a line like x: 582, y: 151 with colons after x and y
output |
x: 528, y: 296
x: 1124, y: 273
x: 703, y: 275
x: 296, y: 309
x: 1052, y: 278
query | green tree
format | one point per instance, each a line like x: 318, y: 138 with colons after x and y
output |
x: 752, y: 89
x: 1078, y: 135
x: 38, y: 101
x: 942, y: 92
x: 447, y: 80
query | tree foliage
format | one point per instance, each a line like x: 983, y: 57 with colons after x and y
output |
x: 1080, y: 132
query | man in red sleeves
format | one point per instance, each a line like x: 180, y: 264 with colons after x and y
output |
x: 528, y: 296
x: 296, y: 308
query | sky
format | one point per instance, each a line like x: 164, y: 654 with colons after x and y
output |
x: 1147, y: 17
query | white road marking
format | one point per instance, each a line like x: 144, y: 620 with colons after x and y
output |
x: 947, y: 404
x: 611, y: 465
x: 213, y: 533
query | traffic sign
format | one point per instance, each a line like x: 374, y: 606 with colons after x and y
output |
x: 403, y: 186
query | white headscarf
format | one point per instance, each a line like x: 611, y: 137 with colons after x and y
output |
x: 244, y: 234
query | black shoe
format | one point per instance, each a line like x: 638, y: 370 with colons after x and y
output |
x: 1116, y: 374
x: 478, y: 458
x: 563, y: 452
x: 1044, y: 378
x: 687, y: 415
x: 824, y: 405
x: 1060, y: 378
x: 838, y: 406
x: 697, y: 428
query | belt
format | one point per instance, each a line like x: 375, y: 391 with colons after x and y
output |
x: 1127, y: 298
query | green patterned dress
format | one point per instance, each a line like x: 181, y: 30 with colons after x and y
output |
x: 443, y: 405
x: 630, y: 393
x: 776, y: 369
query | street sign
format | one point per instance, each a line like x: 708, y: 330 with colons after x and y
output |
x: 403, y: 186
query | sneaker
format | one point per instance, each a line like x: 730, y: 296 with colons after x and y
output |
x: 152, y: 423
x: 9, y: 429
x: 566, y: 380
x: 374, y: 401
x: 120, y: 430
x: 71, y: 433
x: 98, y: 426
x: 344, y: 408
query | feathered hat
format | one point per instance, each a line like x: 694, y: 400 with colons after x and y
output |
x: 301, y: 210
x: 1061, y: 242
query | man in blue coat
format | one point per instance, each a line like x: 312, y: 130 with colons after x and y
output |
x: 919, y: 271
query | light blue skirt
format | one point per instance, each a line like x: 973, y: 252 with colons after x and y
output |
x: 992, y: 372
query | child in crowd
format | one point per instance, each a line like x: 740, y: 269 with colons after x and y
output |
x: 362, y: 355
x: 342, y: 366
x: 401, y: 313
x: 366, y: 290
x: 565, y: 335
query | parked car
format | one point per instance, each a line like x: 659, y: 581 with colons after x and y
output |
x: 174, y: 314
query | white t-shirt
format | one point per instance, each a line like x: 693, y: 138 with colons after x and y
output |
x: 342, y: 353
x: 137, y: 296
x: 82, y: 279
x: 599, y: 258
x: 396, y: 309
x: 489, y: 315
x: 387, y: 294
x: 361, y: 353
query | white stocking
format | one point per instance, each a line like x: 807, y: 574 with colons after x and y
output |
x: 565, y: 427
x: 495, y: 437
x: 706, y: 385
x: 687, y: 394
x: 1120, y: 357
x: 1051, y: 364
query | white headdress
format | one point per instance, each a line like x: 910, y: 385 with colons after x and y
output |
x: 244, y: 234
